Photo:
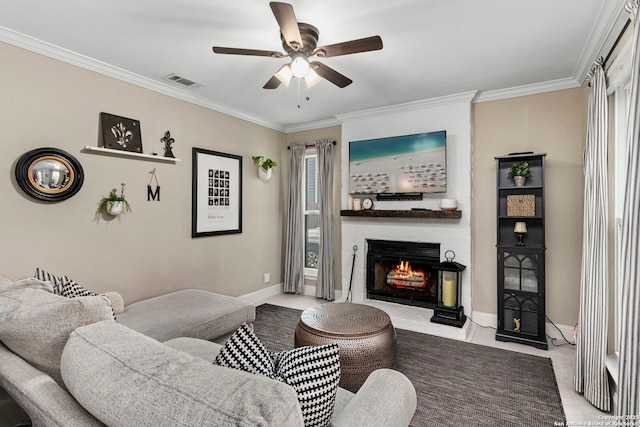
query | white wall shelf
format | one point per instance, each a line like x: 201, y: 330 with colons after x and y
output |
x: 120, y: 153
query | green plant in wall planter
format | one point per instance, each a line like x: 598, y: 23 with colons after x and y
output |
x: 519, y: 171
x: 114, y: 204
x: 264, y: 167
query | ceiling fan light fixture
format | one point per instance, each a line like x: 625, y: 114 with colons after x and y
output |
x: 299, y: 66
x: 312, y: 78
x: 284, y: 74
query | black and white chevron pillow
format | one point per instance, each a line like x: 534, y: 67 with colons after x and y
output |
x: 244, y: 351
x: 313, y: 372
x: 71, y: 289
x: 56, y: 282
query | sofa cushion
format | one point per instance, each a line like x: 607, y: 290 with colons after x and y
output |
x: 127, y: 379
x: 35, y: 323
x: 188, y: 313
x: 8, y: 284
x: 66, y: 287
x: 313, y: 372
x: 203, y: 349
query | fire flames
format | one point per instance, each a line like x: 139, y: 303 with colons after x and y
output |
x: 403, y: 276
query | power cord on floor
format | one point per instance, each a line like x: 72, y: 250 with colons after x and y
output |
x: 478, y: 324
x: 553, y: 339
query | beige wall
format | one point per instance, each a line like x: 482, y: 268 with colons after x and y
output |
x: 554, y: 123
x: 48, y: 103
x: 308, y: 137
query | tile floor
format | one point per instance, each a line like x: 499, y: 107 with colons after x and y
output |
x: 576, y: 408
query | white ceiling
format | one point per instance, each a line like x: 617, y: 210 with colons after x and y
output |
x: 432, y: 48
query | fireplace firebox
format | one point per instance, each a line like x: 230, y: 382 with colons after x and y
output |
x: 402, y: 272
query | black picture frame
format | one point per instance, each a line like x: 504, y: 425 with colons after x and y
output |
x: 49, y: 174
x: 216, y: 201
x: 121, y: 133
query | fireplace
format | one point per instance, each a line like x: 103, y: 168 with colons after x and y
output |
x: 402, y: 272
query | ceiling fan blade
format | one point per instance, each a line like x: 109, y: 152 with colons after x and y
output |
x: 346, y: 48
x: 288, y: 24
x: 250, y: 52
x: 330, y: 74
x: 273, y: 83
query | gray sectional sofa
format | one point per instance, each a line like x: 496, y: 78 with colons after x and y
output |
x: 68, y: 363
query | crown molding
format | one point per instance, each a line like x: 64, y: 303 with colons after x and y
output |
x: 532, y: 89
x: 410, y: 106
x: 47, y: 49
x: 610, y: 22
x: 319, y: 124
x: 605, y: 32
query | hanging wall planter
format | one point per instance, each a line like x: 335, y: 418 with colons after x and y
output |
x: 115, y: 208
x: 114, y: 204
x: 264, y: 167
x: 264, y: 174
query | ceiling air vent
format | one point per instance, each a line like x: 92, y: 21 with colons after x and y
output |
x: 182, y: 81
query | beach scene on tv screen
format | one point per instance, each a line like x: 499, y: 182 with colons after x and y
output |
x: 399, y: 164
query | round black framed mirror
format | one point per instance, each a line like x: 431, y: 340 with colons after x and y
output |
x: 49, y: 174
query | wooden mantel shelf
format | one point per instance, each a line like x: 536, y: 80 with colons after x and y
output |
x: 403, y: 214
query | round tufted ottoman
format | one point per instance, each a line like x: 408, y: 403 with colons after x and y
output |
x: 365, y: 335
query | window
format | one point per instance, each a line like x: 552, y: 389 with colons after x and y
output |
x: 311, y: 214
x: 619, y: 78
x: 620, y: 106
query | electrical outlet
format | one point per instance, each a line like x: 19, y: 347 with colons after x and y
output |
x: 266, y: 278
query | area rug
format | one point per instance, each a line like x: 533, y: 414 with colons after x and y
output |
x: 457, y: 383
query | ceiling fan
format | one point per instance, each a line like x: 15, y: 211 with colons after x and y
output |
x: 300, y: 40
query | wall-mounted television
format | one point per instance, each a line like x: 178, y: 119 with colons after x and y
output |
x: 399, y: 164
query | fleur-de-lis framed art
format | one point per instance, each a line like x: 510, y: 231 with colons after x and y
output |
x: 120, y: 133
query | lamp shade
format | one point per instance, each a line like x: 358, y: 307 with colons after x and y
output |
x: 284, y: 74
x: 312, y: 78
x: 520, y: 227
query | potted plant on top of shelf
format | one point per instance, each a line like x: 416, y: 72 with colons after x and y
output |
x: 114, y: 204
x: 264, y: 167
x: 520, y: 172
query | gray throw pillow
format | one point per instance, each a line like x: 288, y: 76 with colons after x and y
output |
x: 67, y: 287
x: 35, y: 323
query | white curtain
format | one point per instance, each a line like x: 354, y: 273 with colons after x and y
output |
x: 325, y: 284
x: 591, y: 344
x: 628, y: 402
x: 294, y: 244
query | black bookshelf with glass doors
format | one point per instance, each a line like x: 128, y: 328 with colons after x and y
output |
x: 521, y: 249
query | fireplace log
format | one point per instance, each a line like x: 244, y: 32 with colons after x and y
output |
x: 402, y: 280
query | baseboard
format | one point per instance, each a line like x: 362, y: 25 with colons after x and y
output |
x: 263, y: 294
x: 311, y: 291
x: 489, y: 320
x: 273, y: 290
